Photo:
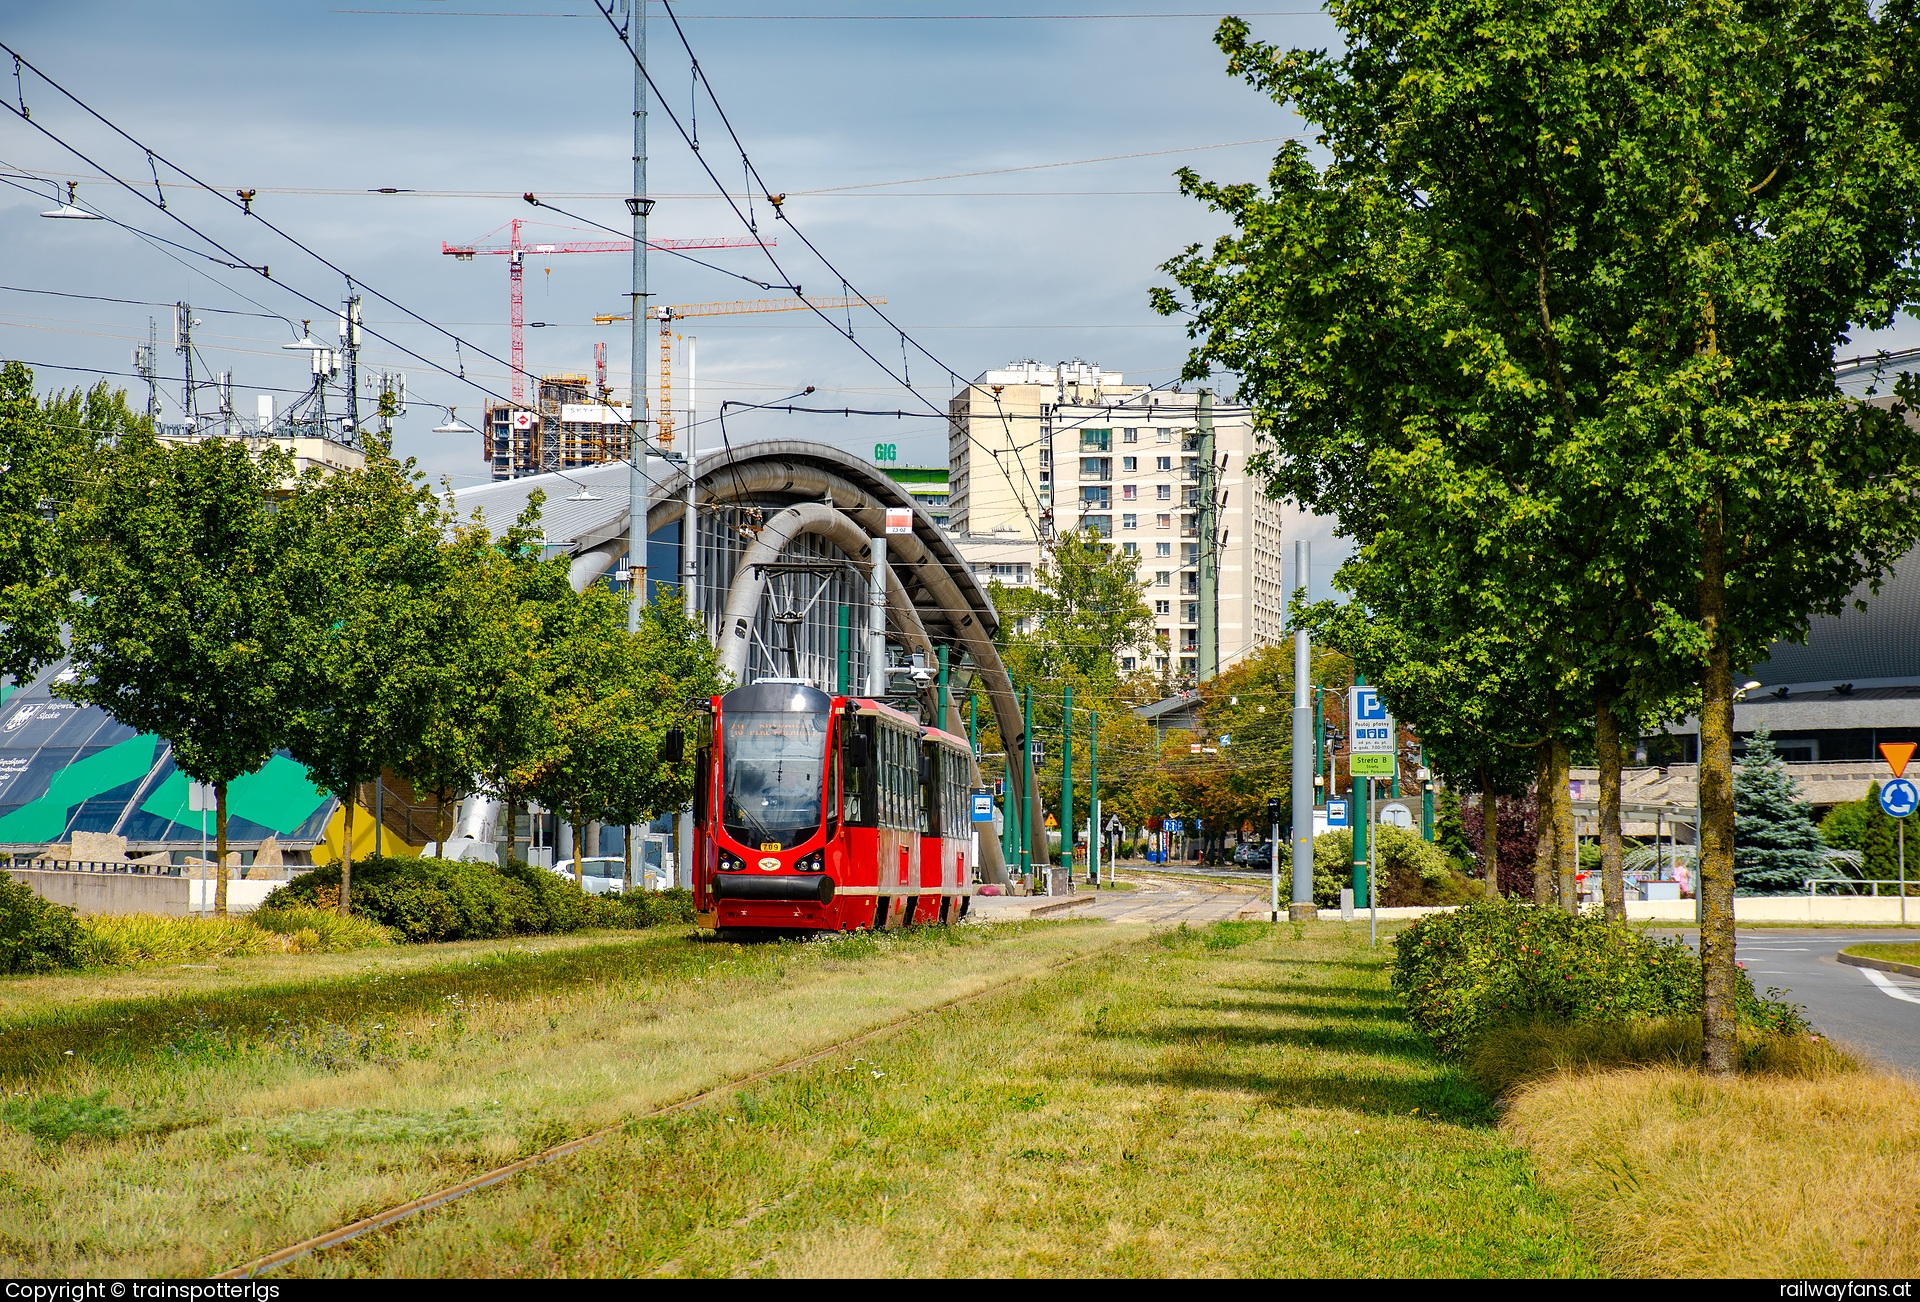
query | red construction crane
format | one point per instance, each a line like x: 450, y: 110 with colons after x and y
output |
x: 517, y: 252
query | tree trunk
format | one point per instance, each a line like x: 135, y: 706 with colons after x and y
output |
x: 1613, y: 889
x: 580, y: 856
x: 1545, y: 828
x: 626, y: 850
x: 507, y: 820
x: 442, y: 821
x: 220, y: 849
x: 1715, y: 864
x: 1490, y: 834
x: 346, y: 853
x: 1566, y: 845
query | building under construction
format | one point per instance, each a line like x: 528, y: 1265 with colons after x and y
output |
x: 570, y: 424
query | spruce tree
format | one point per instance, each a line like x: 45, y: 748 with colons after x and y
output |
x: 1776, y: 846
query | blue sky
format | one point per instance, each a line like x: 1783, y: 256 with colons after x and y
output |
x: 314, y: 103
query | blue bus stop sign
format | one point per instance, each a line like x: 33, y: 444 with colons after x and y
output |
x: 1337, y: 813
x: 1899, y: 797
x: 982, y: 806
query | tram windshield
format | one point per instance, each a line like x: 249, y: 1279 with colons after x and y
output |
x: 775, y: 771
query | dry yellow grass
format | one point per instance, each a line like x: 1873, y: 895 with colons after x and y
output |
x: 1677, y: 1174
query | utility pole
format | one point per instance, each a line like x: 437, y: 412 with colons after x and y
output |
x: 940, y: 691
x: 1306, y: 753
x: 1093, y: 798
x: 1426, y: 796
x: 690, y: 522
x: 1029, y: 802
x: 1361, y: 813
x: 1209, y: 550
x: 877, y: 621
x: 1066, y: 792
x: 639, y: 205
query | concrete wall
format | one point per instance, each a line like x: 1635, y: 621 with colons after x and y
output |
x: 1823, y: 909
x: 91, y: 893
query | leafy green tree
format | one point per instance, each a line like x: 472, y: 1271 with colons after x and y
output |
x: 180, y: 626
x: 613, y: 697
x: 361, y: 570
x: 1779, y: 849
x: 1569, y: 283
x: 45, y: 450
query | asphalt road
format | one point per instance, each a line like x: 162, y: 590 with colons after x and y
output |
x: 1877, y: 1013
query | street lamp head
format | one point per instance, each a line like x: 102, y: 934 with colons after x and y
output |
x: 454, y: 425
x: 71, y: 211
x: 639, y: 206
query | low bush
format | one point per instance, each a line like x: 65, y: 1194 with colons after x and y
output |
x: 423, y: 900
x: 1503, y: 963
x: 36, y: 936
x: 666, y: 908
x: 1412, y: 870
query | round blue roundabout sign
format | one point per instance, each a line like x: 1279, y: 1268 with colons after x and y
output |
x: 1899, y: 797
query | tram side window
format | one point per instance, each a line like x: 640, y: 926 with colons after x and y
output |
x: 702, y: 762
x: 859, y: 806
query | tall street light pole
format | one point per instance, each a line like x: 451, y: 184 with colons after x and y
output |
x: 639, y: 205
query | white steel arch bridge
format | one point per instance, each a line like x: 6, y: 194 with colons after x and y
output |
x: 786, y: 538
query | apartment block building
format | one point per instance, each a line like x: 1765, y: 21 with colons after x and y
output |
x: 1036, y: 451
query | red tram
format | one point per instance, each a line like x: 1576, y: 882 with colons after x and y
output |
x: 827, y: 813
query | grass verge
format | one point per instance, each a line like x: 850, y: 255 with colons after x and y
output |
x: 1890, y: 951
x: 1241, y: 1100
x: 217, y: 1126
x: 1672, y: 1173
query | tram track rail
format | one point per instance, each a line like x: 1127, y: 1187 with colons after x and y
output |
x: 501, y: 1174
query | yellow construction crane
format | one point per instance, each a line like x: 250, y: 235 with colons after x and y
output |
x: 666, y: 315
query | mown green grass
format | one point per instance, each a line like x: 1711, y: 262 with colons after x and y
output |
x: 1241, y: 1100
x: 191, y: 1132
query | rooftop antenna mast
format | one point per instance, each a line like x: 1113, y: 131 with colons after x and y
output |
x: 143, y: 365
x: 183, y: 345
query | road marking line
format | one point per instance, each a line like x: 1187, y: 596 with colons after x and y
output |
x: 1880, y: 979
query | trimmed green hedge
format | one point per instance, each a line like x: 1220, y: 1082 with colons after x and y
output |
x: 1498, y: 963
x: 444, y: 899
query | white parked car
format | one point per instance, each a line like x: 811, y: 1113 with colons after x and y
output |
x: 606, y: 875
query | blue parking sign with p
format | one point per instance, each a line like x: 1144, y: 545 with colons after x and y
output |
x: 1898, y: 797
x: 1367, y: 706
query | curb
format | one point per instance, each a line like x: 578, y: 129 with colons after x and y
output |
x: 1060, y: 905
x: 1880, y: 964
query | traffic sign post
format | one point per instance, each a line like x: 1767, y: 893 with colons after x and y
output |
x: 1898, y: 798
x: 1370, y: 754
